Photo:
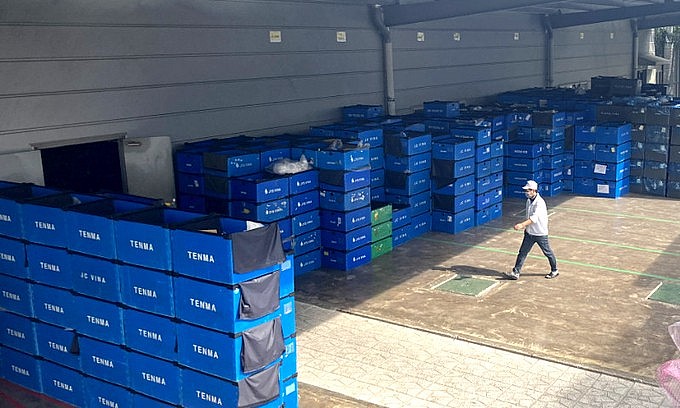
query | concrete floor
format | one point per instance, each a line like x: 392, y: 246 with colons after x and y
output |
x: 612, y: 254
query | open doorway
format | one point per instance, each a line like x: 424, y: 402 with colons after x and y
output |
x: 85, y: 167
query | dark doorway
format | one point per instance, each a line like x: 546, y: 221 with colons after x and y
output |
x: 85, y: 168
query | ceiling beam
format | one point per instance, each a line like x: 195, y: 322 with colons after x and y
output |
x: 613, y: 14
x: 666, y: 20
x: 400, y: 14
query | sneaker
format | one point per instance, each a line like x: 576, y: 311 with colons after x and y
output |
x: 512, y: 275
x: 552, y: 274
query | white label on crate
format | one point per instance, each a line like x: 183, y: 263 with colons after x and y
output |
x: 5, y: 217
x: 102, y: 361
x: 153, y: 378
x: 7, y: 257
x: 62, y: 385
x: 16, y: 333
x: 106, y: 403
x: 98, y: 321
x: 145, y: 292
x: 150, y: 335
x: 21, y: 370
x: 44, y: 225
x: 53, y: 308
x: 145, y: 246
x: 197, y: 256
x: 89, y: 235
x: 290, y: 389
x: 202, y: 304
x: 11, y: 296
x: 341, y: 36
x: 600, y: 169
x: 206, y: 351
x: 285, y: 265
x: 603, y: 188
x: 213, y: 399
x: 59, y: 347
x: 251, y: 225
x: 49, y: 267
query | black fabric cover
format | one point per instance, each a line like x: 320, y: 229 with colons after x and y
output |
x: 257, y: 248
x: 261, y: 345
x: 393, y: 144
x: 442, y: 168
x: 259, y: 296
x: 443, y: 202
x: 259, y: 388
x: 75, y: 345
x: 332, y: 177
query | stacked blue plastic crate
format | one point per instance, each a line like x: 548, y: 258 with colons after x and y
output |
x: 103, y: 328
x: 408, y: 161
x: 602, y: 159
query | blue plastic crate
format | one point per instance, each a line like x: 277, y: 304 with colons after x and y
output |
x: 231, y: 162
x: 481, y: 135
x: 304, y: 202
x: 453, y: 169
x: 155, y: 377
x: 407, y: 183
x: 305, y: 222
x: 421, y: 224
x: 585, y: 134
x: 288, y: 366
x: 453, y: 203
x: 220, y: 354
x: 188, y: 183
x: 613, y: 133
x: 201, y: 390
x: 483, y: 169
x: 584, y: 151
x: 204, y: 249
x: 550, y: 189
x: 90, y: 226
x: 105, y: 361
x: 368, y: 135
x: 673, y: 171
x: 62, y: 383
x: 377, y: 178
x: 602, y: 171
x: 612, y: 153
x: 307, y: 262
x: 673, y: 189
x: 637, y: 150
x: 20, y: 368
x: 611, y: 189
x: 348, y: 158
x: 483, y: 153
x: 267, y: 212
x: 401, y: 235
x: 303, y: 181
x: 345, y: 261
x: 44, y: 218
x: 270, y: 154
x: 530, y: 134
x: 332, y: 130
x: 454, y: 186
x: 346, y: 241
x: 657, y: 134
x: 287, y: 277
x: 453, y: 223
x: 17, y: 294
x: 497, y: 148
x: 288, y: 326
x: 548, y: 118
x: 362, y: 111
x: 150, y: 334
x: 218, y: 307
x: 655, y: 170
x: 351, y: 200
x: 345, y: 220
x: 53, y: 305
x: 18, y: 332
x: 217, y: 186
x: 143, y: 237
x: 343, y: 181
x: 289, y: 392
x: 521, y: 178
x: 377, y: 157
x: 13, y: 258
x: 408, y: 164
x: 58, y: 344
x: 147, y: 289
x: 441, y: 109
x: 524, y: 150
x: 95, y: 277
x: 553, y: 148
x: 656, y: 152
x: 453, y: 149
x: 102, y: 394
x: 553, y: 162
x: 419, y: 203
x: 378, y: 194
x: 408, y: 143
x: 491, y: 197
x: 48, y: 265
x: 306, y: 242
x: 11, y: 198
x: 551, y: 176
x: 523, y: 164
x: 258, y: 188
x: 98, y: 319
x: 497, y: 164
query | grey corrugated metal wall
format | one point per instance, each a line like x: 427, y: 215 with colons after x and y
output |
x: 195, y: 69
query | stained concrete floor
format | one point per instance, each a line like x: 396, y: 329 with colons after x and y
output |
x: 612, y: 254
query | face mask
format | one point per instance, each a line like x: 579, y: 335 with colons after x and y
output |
x: 528, y: 194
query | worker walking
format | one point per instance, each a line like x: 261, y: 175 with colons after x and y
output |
x: 535, y: 232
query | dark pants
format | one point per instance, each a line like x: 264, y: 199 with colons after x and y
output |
x: 527, y: 243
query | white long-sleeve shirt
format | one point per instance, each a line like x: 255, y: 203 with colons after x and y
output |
x: 537, y: 212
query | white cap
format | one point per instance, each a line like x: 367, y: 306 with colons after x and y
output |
x: 531, y: 185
